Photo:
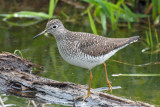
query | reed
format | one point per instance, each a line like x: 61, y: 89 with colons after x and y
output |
x: 52, y: 5
x: 92, y: 24
x: 156, y: 35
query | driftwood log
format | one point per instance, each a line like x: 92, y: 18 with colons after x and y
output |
x: 16, y: 79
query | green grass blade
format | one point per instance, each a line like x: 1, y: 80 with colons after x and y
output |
x: 89, y: 1
x: 129, y: 25
x: 119, y: 2
x: 4, y: 15
x: 24, y: 23
x: 18, y: 52
x: 104, y: 5
x: 156, y: 36
x: 65, y: 15
x: 93, y: 27
x: 51, y: 8
x: 118, y: 11
x: 137, y: 75
x: 52, y: 5
x: 113, y: 20
x: 150, y: 33
x: 88, y: 9
x: 147, y: 37
x: 158, y: 6
x: 154, y: 9
x: 103, y: 21
x: 27, y: 14
x: 129, y: 13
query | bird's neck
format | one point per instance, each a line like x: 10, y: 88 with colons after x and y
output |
x: 60, y: 34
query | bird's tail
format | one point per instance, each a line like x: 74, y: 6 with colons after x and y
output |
x: 133, y: 39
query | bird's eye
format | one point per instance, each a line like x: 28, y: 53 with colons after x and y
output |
x: 54, y: 26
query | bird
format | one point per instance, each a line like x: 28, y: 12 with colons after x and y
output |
x: 85, y: 50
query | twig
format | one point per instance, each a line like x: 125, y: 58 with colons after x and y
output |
x: 149, y: 8
x: 34, y: 104
x: 28, y: 103
x: 1, y: 101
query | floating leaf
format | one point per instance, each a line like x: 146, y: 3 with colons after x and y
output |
x: 27, y: 14
x: 137, y: 75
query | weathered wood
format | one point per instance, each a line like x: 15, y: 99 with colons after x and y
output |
x: 16, y: 79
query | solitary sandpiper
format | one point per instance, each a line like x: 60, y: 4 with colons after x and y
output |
x: 85, y: 49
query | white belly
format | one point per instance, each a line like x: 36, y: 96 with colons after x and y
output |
x: 87, y: 61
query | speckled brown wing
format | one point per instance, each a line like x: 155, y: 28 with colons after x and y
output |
x: 98, y: 45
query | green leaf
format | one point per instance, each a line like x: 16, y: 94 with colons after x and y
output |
x: 129, y: 25
x: 147, y: 37
x: 24, y: 23
x: 103, y: 21
x: 137, y: 75
x: 130, y: 16
x: 18, y: 52
x: 92, y: 23
x: 104, y: 5
x: 156, y: 36
x: 88, y: 9
x: 129, y: 13
x: 52, y: 5
x: 51, y: 8
x: 97, y: 11
x: 27, y: 14
x: 89, y: 1
x: 150, y: 33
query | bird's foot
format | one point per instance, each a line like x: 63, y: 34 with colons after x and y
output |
x: 85, y: 97
x: 78, y: 97
x: 109, y: 86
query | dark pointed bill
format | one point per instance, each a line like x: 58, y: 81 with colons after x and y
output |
x: 43, y: 32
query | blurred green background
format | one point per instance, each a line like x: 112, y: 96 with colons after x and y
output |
x: 21, y: 20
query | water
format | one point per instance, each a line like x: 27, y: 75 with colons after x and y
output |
x: 43, y: 51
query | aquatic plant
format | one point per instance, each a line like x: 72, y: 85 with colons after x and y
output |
x: 37, y: 16
x: 115, y: 13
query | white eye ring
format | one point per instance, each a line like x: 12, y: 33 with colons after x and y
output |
x: 54, y: 26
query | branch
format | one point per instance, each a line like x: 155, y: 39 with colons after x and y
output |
x: 16, y: 79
